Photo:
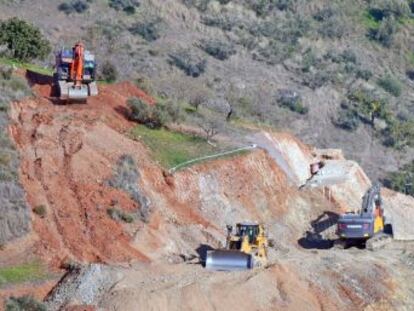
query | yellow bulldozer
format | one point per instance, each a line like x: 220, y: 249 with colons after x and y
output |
x: 245, y: 249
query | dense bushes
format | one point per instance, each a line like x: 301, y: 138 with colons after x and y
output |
x: 362, y: 105
x: 76, y: 6
x: 347, y: 120
x: 386, y: 31
x: 218, y: 49
x: 25, y: 303
x: 125, y: 178
x: 391, y: 85
x: 108, y: 72
x: 201, y: 5
x: 128, y: 6
x: 265, y: 7
x: 153, y: 116
x: 193, y: 66
x: 332, y: 22
x: 401, y: 180
x: 149, y: 30
x: 399, y: 134
x: 24, y: 41
x: 15, y: 218
x: 291, y: 100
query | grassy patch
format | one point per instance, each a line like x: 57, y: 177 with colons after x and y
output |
x: 172, y: 148
x: 27, y: 66
x: 22, y: 273
x: 369, y: 21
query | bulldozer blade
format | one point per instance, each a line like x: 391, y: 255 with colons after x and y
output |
x: 228, y: 260
x: 78, y: 93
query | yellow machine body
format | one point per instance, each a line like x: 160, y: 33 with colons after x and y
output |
x: 245, y: 249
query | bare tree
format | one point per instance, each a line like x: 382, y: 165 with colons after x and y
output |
x: 211, y: 123
x: 197, y: 100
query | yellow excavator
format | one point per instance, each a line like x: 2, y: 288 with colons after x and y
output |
x: 245, y: 249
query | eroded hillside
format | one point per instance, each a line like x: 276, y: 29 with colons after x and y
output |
x: 338, y: 74
x: 110, y: 204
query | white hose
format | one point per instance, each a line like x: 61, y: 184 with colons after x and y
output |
x: 172, y: 170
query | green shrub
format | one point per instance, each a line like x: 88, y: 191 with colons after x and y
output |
x: 128, y: 6
x: 368, y: 105
x: 347, y: 120
x: 391, y: 85
x: 333, y: 28
x: 218, y: 49
x: 225, y: 22
x: 200, y: 5
x: 174, y: 111
x: 364, y: 74
x: 126, y: 178
x: 24, y: 41
x: 117, y: 214
x: 291, y: 100
x: 275, y: 52
x: 399, y: 134
x: 309, y: 60
x: 24, y: 303
x: 380, y: 9
x: 140, y: 110
x: 5, y: 158
x: 349, y: 56
x: 154, y: 116
x: 40, y: 210
x: 401, y: 180
x: 6, y: 72
x: 76, y: 6
x: 318, y: 79
x: 149, y: 30
x: 386, y: 31
x: 109, y: 73
x: 192, y: 66
x: 325, y: 14
x: 265, y: 7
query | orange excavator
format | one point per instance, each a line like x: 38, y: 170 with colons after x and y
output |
x: 75, y: 73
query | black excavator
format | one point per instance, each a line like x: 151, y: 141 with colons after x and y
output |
x: 367, y: 226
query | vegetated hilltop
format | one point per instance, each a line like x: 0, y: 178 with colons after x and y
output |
x: 337, y: 73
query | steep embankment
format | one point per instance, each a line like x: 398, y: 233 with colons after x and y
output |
x: 79, y: 163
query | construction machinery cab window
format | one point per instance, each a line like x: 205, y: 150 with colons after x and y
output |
x: 250, y: 230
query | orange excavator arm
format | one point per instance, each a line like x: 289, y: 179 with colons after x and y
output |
x: 76, y: 70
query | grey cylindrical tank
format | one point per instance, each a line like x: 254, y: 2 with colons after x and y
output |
x: 228, y: 260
